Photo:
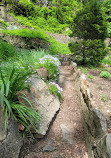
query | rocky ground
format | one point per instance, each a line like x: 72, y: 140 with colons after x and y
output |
x: 65, y: 137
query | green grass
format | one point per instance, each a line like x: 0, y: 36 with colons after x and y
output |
x: 55, y: 46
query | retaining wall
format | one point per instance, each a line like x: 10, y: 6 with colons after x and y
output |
x: 98, y: 141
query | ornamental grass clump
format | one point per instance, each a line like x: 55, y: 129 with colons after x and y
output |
x: 10, y: 103
x: 52, y: 65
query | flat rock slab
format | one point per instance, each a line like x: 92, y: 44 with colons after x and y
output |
x: 47, y: 104
x: 67, y: 134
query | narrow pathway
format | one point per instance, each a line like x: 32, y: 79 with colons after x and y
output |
x: 65, y: 138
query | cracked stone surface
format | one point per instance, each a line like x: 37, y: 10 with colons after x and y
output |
x: 47, y: 104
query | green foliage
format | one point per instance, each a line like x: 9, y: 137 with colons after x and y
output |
x: 105, y: 74
x: 10, y: 104
x: 27, y: 33
x: 54, y: 18
x: 107, y: 5
x: 29, y: 59
x: 6, y: 50
x: 51, y: 24
x: 89, y: 22
x: 64, y: 10
x: 109, y: 29
x: 54, y: 47
x: 107, y: 59
x: 55, y: 90
x: 52, y: 65
x: 23, y: 7
x: 25, y: 61
x: 90, y: 52
x: 3, y: 24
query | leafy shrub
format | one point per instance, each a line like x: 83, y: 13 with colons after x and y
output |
x: 90, y: 25
x: 52, y: 66
x: 10, y: 104
x: 45, y: 12
x: 55, y: 90
x: 23, y: 7
x: 105, y: 74
x: 90, y: 52
x: 90, y: 22
x: 6, y: 50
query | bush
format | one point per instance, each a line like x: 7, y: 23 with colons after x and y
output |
x: 105, y: 74
x: 6, y: 50
x: 52, y: 66
x: 89, y: 24
x: 23, y: 7
x: 90, y: 52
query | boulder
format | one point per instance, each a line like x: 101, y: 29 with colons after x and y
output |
x: 47, y: 104
x: 11, y: 145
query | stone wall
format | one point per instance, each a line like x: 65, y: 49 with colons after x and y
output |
x: 98, y: 141
x: 25, y: 42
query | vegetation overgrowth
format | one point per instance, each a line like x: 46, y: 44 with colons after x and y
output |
x: 12, y: 107
x: 87, y: 20
x: 55, y: 46
x: 90, y: 27
x: 54, y: 16
x: 16, y: 68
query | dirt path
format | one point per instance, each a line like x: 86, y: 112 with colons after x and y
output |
x: 65, y: 138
